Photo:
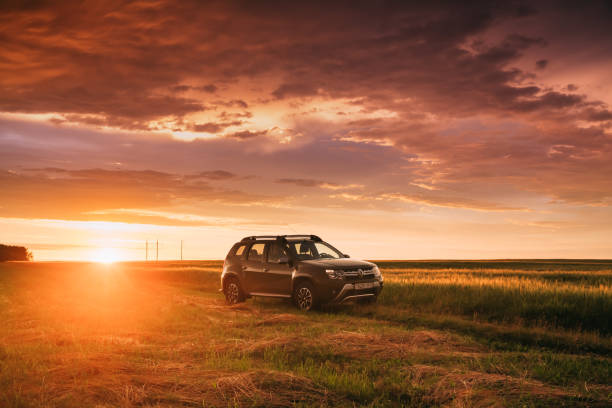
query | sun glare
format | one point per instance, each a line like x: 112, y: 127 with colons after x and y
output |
x: 106, y: 256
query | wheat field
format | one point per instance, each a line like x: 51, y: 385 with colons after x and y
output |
x: 444, y: 333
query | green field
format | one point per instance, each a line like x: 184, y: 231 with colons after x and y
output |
x: 444, y: 333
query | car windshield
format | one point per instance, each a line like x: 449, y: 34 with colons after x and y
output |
x: 309, y: 249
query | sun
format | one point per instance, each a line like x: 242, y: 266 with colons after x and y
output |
x: 106, y: 256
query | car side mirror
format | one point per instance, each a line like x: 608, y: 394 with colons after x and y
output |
x: 346, y: 255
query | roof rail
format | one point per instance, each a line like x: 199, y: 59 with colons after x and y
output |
x: 309, y: 236
x: 283, y: 237
x: 259, y: 237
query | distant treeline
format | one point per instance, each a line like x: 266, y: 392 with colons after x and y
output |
x: 14, y: 253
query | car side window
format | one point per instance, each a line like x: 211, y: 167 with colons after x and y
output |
x: 240, y: 250
x: 307, y: 249
x: 275, y: 252
x: 256, y: 252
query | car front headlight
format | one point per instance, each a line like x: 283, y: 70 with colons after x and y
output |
x: 334, y: 274
x: 377, y: 273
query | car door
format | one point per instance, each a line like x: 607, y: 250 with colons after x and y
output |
x: 253, y: 267
x: 277, y: 270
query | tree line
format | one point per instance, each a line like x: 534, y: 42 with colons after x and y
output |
x: 14, y: 253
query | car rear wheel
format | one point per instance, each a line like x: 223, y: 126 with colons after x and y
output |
x: 233, y: 291
x: 304, y: 296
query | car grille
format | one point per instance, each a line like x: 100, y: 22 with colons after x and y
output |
x: 353, y: 274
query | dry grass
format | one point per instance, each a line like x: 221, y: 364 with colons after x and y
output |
x: 459, y: 388
x: 282, y: 318
x: 76, y: 335
x: 270, y: 389
x: 578, y: 300
x: 530, y: 284
x: 373, y: 345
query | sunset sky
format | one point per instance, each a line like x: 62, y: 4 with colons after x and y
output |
x: 391, y: 130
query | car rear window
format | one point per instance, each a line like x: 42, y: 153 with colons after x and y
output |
x: 240, y: 250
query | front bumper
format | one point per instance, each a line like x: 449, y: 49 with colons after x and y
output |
x: 357, y: 290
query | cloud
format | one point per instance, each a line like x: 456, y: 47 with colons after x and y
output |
x: 82, y: 66
x: 571, y: 88
x: 550, y: 100
x: 171, y: 218
x: 210, y: 88
x: 443, y: 98
x: 234, y: 103
x: 214, y: 175
x: 294, y: 90
x: 541, y: 64
x: 429, y: 200
x: 598, y: 115
x: 212, y: 127
x: 247, y: 134
x: 88, y: 194
x: 449, y: 202
x: 300, y: 182
x: 82, y: 63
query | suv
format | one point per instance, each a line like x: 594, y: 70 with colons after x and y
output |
x: 300, y: 267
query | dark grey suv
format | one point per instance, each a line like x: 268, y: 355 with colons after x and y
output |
x: 301, y: 267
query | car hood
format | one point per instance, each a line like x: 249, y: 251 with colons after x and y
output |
x: 342, y: 263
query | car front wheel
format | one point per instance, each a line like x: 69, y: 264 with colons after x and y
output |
x: 304, y: 296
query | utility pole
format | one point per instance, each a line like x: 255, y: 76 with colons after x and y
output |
x: 146, y: 250
x: 157, y: 250
x: 181, y: 249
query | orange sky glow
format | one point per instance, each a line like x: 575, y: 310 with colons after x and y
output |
x: 392, y: 130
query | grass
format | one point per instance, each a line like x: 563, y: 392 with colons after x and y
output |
x: 500, y: 333
x: 575, y: 300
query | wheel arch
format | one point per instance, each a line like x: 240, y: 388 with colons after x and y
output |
x: 299, y: 279
x: 229, y: 275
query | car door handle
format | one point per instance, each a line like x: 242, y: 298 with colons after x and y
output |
x: 244, y: 268
x: 265, y: 269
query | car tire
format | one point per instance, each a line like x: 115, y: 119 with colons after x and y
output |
x: 232, y: 291
x: 304, y: 296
